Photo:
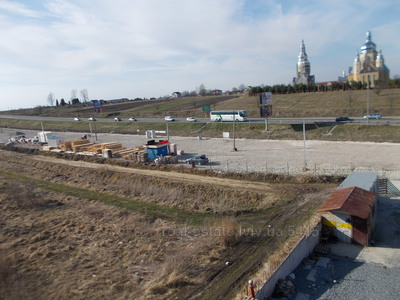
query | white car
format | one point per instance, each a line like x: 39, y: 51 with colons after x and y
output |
x: 373, y: 116
x: 169, y: 119
x: 132, y: 119
x: 191, y: 119
x: 91, y: 119
x: 117, y: 119
x: 77, y: 119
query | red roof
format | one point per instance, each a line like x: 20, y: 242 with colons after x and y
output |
x: 354, y: 200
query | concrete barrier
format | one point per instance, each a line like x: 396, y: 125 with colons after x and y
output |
x: 302, y: 250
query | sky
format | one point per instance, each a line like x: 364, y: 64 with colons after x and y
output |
x: 152, y: 48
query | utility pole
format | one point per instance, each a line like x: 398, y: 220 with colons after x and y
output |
x: 95, y: 132
x: 368, y: 98
x: 233, y: 134
x: 90, y: 128
x: 304, y: 141
x: 166, y: 124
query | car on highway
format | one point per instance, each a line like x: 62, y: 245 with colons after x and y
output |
x: 169, y: 119
x: 117, y: 119
x: 77, y: 119
x: 198, y: 160
x: 191, y: 119
x: 344, y: 119
x: 132, y: 119
x: 91, y: 119
x: 373, y: 116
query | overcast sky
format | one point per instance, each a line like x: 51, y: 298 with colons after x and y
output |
x: 151, y: 48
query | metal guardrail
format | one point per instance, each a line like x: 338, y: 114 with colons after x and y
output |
x: 386, y: 187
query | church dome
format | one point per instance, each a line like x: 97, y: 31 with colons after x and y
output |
x: 368, y: 46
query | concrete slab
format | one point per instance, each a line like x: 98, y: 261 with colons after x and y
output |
x: 389, y: 257
x: 302, y: 296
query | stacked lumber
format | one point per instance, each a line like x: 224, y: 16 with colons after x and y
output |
x: 84, y: 146
x: 80, y: 145
x: 112, y: 145
x: 137, y: 156
x: 67, y: 146
x: 96, y: 148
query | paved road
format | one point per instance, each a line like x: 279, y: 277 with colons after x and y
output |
x: 360, y: 120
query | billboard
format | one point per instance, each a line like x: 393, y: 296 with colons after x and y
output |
x: 265, y: 111
x: 265, y: 98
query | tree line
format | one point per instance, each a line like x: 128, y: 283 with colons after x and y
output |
x: 331, y: 86
x: 51, y: 100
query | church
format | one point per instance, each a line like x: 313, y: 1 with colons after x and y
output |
x: 369, y: 66
x: 303, y: 69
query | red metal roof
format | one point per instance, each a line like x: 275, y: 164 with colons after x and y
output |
x: 354, y: 200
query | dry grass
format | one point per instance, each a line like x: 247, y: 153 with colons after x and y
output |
x: 180, y: 195
x: 77, y: 247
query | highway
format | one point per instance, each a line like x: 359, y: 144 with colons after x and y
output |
x: 359, y: 120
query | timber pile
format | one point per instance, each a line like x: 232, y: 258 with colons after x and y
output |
x: 76, y: 146
x: 84, y: 146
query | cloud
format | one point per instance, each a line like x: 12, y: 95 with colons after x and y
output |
x: 103, y: 45
x: 15, y: 8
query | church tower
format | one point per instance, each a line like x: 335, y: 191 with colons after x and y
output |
x: 369, y: 65
x: 303, y: 68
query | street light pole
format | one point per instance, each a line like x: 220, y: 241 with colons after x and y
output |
x: 233, y: 134
x: 368, y: 98
x: 304, y: 140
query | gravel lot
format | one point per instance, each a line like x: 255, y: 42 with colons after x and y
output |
x: 270, y: 155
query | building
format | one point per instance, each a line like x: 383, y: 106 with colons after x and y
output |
x: 364, y: 180
x: 303, y: 69
x: 155, y: 149
x: 176, y: 95
x: 216, y: 92
x: 349, y: 214
x: 369, y: 65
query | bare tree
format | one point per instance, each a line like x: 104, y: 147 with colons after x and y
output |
x: 202, y: 90
x: 242, y: 87
x: 74, y: 94
x: 50, y: 99
x: 84, y: 94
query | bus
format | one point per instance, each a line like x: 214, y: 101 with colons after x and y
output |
x: 228, y: 115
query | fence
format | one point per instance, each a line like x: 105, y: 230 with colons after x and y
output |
x: 243, y: 166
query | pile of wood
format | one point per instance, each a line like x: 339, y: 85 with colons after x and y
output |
x: 76, y: 146
x: 84, y: 146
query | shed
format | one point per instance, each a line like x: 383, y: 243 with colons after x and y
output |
x: 54, y: 141
x: 349, y: 214
x: 364, y: 180
x: 156, y: 149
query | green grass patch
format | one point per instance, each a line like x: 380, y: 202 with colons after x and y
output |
x: 148, y: 209
x: 245, y: 130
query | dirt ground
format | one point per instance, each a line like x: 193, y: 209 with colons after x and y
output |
x: 269, y: 155
x: 58, y: 240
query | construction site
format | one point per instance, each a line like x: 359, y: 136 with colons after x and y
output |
x: 88, y: 220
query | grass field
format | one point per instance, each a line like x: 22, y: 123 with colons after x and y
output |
x: 350, y: 132
x: 352, y: 103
